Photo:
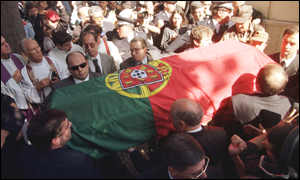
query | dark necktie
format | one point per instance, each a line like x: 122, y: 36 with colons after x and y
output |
x: 97, y: 67
x: 283, y: 64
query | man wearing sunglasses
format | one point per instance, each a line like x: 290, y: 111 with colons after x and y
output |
x: 79, y: 69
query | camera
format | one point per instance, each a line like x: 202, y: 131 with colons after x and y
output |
x: 54, y: 76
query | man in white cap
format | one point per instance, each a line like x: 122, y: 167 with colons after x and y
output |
x: 242, y: 30
x: 221, y: 16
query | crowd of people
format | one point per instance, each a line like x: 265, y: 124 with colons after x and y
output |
x: 251, y: 136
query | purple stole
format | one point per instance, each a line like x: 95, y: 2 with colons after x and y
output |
x: 5, y: 76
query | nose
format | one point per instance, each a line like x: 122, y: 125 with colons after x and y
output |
x: 288, y: 45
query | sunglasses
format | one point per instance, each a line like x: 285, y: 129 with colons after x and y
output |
x: 75, y: 68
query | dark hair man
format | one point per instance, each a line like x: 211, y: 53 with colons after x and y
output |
x: 184, y: 158
x: 63, y: 46
x: 288, y: 57
x: 49, y: 133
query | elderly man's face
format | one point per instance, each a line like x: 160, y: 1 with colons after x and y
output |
x: 78, y: 66
x: 5, y: 48
x: 33, y: 51
x: 289, y: 45
x: 138, y: 52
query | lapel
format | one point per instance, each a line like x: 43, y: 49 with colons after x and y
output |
x: 293, y: 67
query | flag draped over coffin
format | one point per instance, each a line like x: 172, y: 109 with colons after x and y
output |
x: 124, y: 109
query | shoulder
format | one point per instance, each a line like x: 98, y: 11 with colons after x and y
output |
x: 127, y: 63
x: 94, y: 75
x: 63, y: 83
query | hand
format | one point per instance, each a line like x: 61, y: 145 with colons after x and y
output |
x: 43, y: 83
x: 17, y: 76
x: 237, y: 145
x: 173, y: 36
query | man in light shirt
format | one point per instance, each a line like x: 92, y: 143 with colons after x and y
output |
x: 39, y: 74
x: 63, y: 46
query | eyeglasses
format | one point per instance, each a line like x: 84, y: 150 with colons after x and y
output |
x: 198, y: 175
x: 75, y: 68
x: 204, y: 169
x: 260, y: 165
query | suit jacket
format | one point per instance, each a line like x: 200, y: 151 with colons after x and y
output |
x: 70, y: 81
x: 248, y: 108
x: 215, y: 142
x: 131, y: 62
x: 292, y: 68
x: 107, y: 63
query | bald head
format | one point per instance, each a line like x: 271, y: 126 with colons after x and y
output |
x: 186, y: 112
x: 272, y: 79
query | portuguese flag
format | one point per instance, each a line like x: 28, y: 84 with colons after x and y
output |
x: 125, y: 109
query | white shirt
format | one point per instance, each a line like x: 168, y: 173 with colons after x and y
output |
x: 114, y: 52
x: 91, y: 64
x: 195, y: 130
x: 60, y: 57
x: 288, y: 61
x: 77, y: 81
x: 41, y: 71
x: 12, y: 88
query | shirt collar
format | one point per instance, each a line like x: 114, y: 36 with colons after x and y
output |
x: 145, y: 60
x: 195, y: 130
x: 77, y: 81
x: 288, y: 61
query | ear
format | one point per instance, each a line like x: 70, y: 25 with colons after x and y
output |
x: 182, y: 126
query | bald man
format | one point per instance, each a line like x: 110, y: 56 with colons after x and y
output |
x: 186, y: 115
x: 265, y: 108
x: 39, y: 74
x: 79, y: 69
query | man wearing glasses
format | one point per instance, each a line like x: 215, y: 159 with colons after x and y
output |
x: 79, y: 69
x: 184, y: 159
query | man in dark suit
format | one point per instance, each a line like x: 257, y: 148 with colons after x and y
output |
x: 79, y: 69
x: 139, y: 53
x: 288, y: 57
x: 184, y: 158
x: 187, y: 115
x: 98, y: 62
x: 49, y: 132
